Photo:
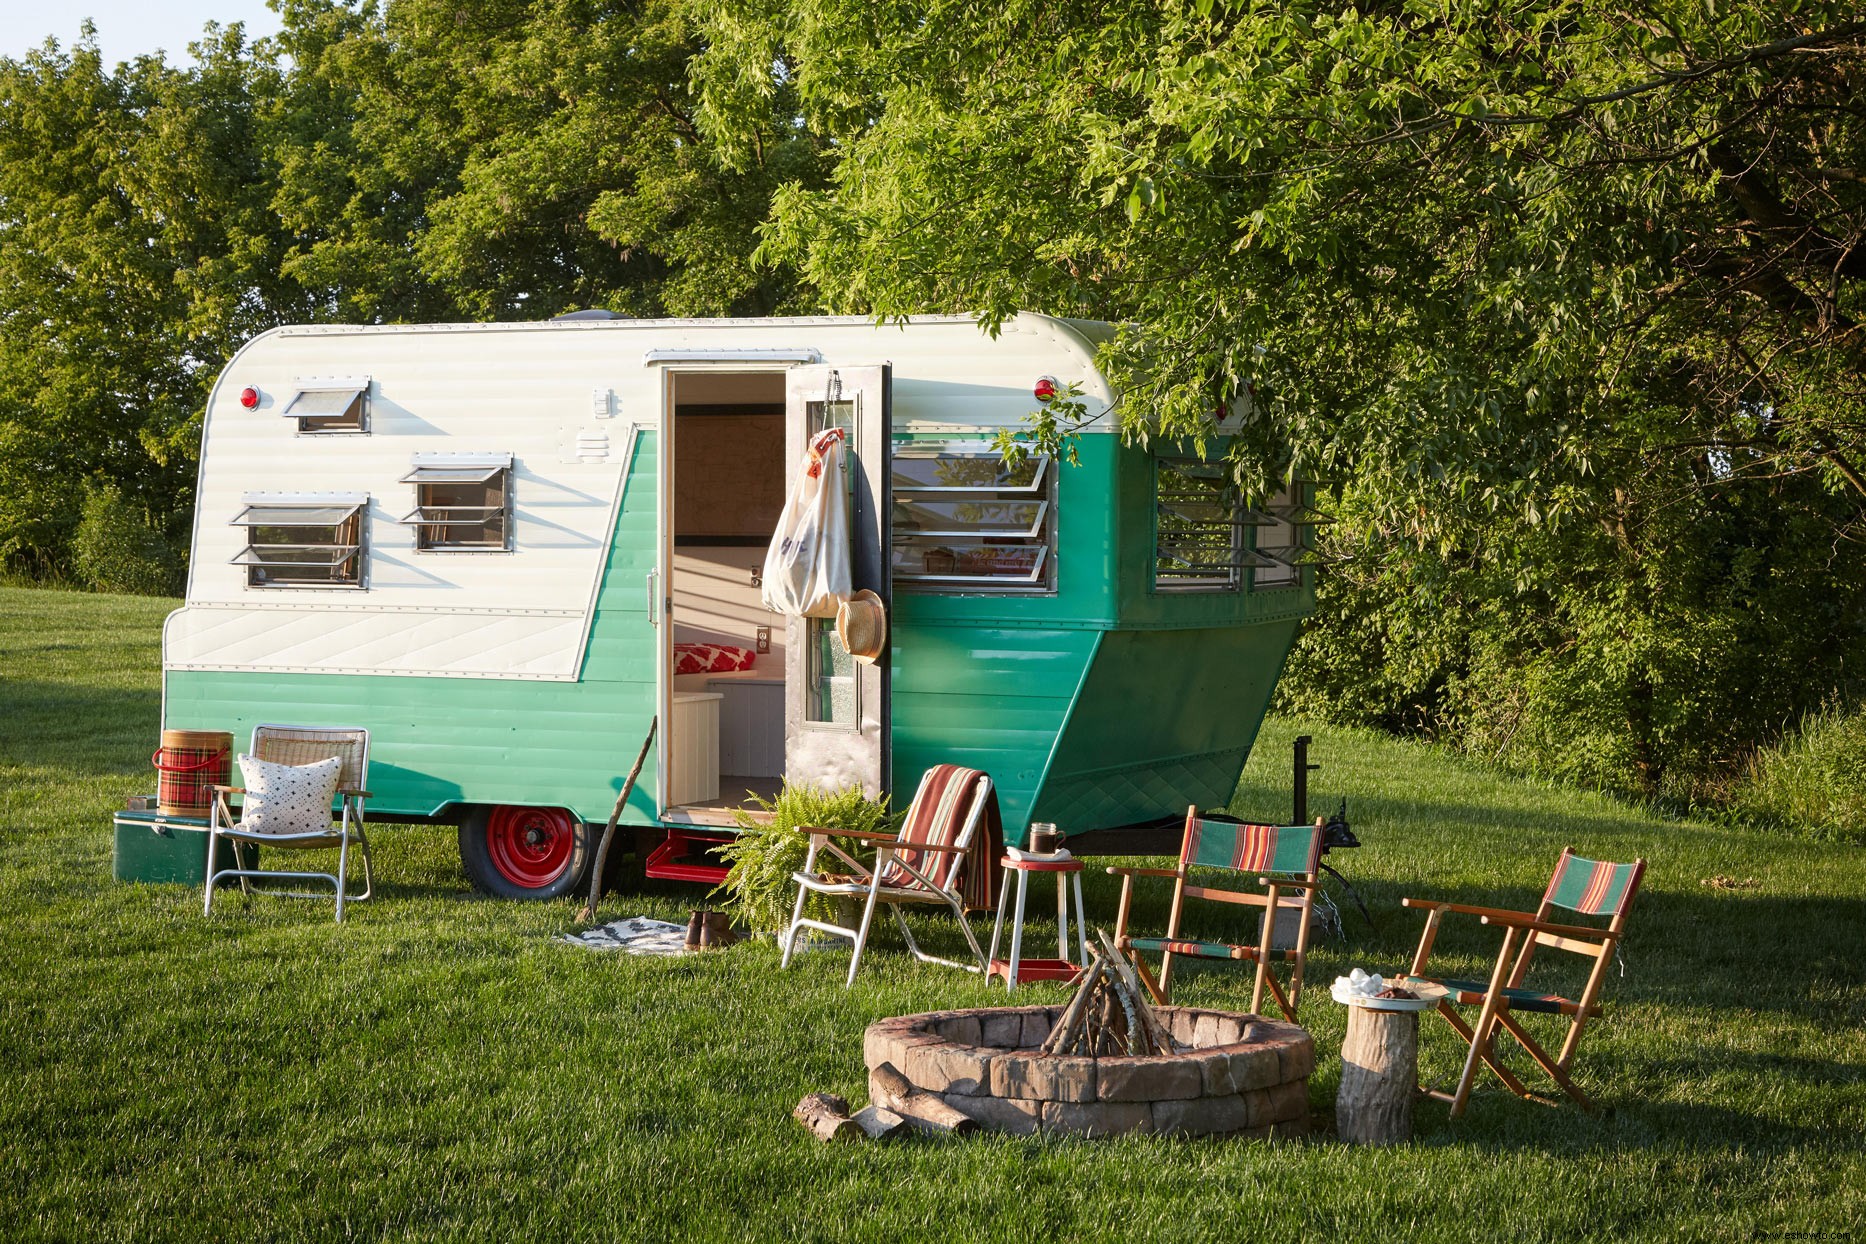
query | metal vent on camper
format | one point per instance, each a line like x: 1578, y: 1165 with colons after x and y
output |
x: 584, y: 445
x: 335, y: 404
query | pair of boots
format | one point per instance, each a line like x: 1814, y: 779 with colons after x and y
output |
x: 709, y: 930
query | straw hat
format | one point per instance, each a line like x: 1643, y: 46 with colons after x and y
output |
x: 862, y: 625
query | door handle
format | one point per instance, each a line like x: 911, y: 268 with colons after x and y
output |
x: 654, y: 601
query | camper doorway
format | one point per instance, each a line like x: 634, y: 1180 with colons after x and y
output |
x: 723, y: 651
x: 753, y: 698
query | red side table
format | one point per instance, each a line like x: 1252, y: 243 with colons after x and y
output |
x: 1061, y: 968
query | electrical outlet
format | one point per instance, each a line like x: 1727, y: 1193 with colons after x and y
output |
x: 758, y: 576
x: 764, y: 639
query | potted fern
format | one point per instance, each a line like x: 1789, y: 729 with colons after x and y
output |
x: 758, y: 889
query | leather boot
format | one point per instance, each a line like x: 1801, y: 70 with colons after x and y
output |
x: 716, y: 931
x: 695, y: 930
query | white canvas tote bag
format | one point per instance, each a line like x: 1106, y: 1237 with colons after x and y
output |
x: 806, y: 572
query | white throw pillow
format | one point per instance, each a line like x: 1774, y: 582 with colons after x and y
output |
x: 288, y: 799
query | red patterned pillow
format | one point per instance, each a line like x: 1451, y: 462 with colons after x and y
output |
x: 712, y: 658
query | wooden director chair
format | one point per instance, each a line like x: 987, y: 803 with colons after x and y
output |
x: 1288, y: 858
x: 1592, y: 888
x: 944, y: 855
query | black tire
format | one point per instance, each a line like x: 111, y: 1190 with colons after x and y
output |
x: 526, y: 853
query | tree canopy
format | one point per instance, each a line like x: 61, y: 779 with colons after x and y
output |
x: 1564, y: 298
x: 1562, y: 301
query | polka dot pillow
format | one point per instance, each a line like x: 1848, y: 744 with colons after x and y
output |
x: 288, y: 799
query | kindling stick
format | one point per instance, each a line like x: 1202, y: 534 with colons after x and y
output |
x: 588, y: 914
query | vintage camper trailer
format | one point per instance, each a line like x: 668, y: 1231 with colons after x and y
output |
x: 498, y: 546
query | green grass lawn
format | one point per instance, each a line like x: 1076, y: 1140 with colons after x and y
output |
x: 438, y: 1068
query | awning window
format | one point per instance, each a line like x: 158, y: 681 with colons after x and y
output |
x: 262, y: 515
x: 964, y: 521
x: 309, y: 542
x: 451, y: 474
x: 463, y: 501
x: 337, y: 406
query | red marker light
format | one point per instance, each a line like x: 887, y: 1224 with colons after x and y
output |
x: 1047, y: 390
x: 249, y: 397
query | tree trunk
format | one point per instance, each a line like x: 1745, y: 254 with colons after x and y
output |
x: 1379, y: 1077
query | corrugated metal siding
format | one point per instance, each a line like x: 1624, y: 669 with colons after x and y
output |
x: 1164, y: 719
x: 993, y: 699
x: 434, y: 741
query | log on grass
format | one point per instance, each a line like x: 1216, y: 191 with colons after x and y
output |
x: 1379, y: 1077
x: 926, y: 1111
x: 879, y: 1122
x: 827, y: 1117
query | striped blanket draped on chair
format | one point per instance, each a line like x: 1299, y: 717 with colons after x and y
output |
x: 937, y: 816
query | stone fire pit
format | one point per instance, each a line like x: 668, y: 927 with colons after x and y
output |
x: 1243, y: 1076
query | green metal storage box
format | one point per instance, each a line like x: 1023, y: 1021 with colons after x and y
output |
x: 160, y: 849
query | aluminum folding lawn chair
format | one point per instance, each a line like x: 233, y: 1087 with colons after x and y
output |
x: 945, y: 855
x: 329, y: 828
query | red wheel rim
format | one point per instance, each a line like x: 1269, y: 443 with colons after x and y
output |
x: 531, y: 847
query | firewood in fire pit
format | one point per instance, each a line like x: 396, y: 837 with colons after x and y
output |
x: 1109, y: 1013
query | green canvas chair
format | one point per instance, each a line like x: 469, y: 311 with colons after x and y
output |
x: 1288, y: 859
x: 1590, y: 887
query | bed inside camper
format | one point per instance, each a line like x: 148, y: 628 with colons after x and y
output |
x: 727, y: 727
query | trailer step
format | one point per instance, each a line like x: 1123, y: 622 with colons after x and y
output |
x: 673, y: 859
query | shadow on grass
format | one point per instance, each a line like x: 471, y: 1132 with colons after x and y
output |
x: 59, y: 725
x: 1500, y: 1123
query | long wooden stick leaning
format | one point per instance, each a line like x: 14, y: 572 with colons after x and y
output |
x: 588, y: 914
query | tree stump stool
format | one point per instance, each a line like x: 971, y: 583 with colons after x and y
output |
x: 1379, y: 1077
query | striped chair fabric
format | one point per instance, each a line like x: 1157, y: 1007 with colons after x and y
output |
x: 937, y: 817
x: 1591, y: 887
x: 1471, y: 993
x: 1287, y: 849
x: 1202, y: 950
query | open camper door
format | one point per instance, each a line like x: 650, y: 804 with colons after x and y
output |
x: 836, y: 707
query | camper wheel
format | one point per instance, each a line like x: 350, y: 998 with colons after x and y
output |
x: 524, y: 852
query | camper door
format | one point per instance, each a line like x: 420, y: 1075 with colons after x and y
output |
x: 836, y: 707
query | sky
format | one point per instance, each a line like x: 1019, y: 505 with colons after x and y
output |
x: 128, y: 28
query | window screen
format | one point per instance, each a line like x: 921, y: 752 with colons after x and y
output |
x: 1285, y: 540
x: 302, y: 543
x: 461, y: 504
x: 964, y: 521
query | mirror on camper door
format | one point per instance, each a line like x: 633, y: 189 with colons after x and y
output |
x: 835, y: 707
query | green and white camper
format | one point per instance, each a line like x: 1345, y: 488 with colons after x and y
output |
x: 483, y: 542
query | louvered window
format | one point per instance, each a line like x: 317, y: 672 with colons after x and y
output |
x: 966, y: 522
x: 463, y: 502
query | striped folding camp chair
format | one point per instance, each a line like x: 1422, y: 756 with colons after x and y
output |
x: 1286, y: 856
x: 945, y: 854
x: 1590, y: 887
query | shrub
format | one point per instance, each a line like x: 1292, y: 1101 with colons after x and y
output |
x: 115, y: 550
x: 1814, y: 780
x: 758, y: 888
